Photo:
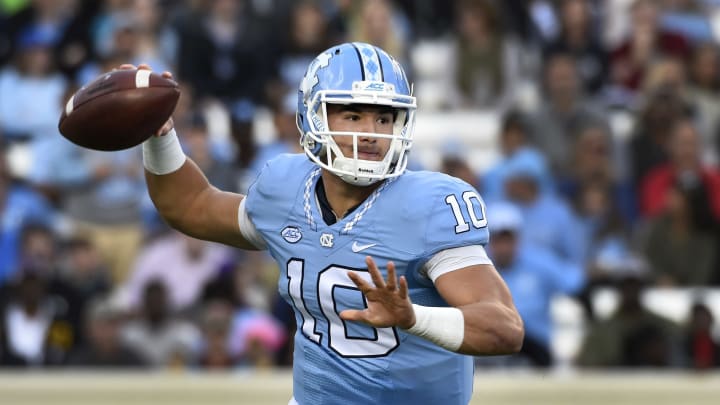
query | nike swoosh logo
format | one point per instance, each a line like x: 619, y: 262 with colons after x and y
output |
x: 359, y: 248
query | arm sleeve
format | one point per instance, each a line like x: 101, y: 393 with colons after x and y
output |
x: 247, y: 228
x: 449, y: 260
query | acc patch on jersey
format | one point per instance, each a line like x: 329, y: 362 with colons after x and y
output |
x: 291, y: 234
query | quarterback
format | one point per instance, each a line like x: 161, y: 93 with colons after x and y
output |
x: 385, y: 268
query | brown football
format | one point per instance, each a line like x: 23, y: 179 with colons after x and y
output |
x: 119, y: 110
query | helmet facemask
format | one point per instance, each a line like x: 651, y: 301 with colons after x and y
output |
x: 320, y: 145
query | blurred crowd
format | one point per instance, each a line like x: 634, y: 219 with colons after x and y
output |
x: 91, y: 276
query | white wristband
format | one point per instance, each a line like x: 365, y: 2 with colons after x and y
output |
x: 444, y: 326
x: 163, y: 154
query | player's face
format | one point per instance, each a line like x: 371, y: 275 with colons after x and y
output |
x: 362, y: 119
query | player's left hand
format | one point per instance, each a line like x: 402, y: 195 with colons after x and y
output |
x: 388, y: 301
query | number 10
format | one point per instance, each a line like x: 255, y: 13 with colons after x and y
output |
x: 468, y: 197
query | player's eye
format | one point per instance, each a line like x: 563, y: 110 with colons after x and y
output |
x: 385, y: 119
x: 352, y: 117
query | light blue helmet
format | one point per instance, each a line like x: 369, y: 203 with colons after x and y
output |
x: 355, y: 73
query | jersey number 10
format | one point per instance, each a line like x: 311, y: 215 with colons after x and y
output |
x: 329, y: 282
x: 468, y: 198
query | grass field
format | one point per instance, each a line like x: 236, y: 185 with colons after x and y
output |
x: 102, y: 388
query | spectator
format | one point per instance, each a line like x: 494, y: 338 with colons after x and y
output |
x: 283, y: 313
x: 161, y: 339
x: 102, y: 196
x: 201, y: 149
x: 605, y: 231
x: 377, y: 22
x: 39, y: 249
x: 122, y: 35
x: 632, y: 336
x: 40, y: 253
x: 647, y: 41
x: 222, y: 56
x: 214, y: 353
x: 67, y: 22
x: 286, y: 139
x: 533, y: 275
x: 307, y: 36
x: 254, y: 337
x: 667, y: 74
x: 488, y: 61
x: 597, y: 166
x: 20, y: 206
x: 704, y: 72
x: 523, y: 184
x: 578, y: 38
x: 181, y: 263
x: 514, y: 139
x: 37, y: 89
x: 680, y: 252
x: 455, y: 163
x: 652, y: 132
x: 104, y: 347
x: 686, y: 168
x: 701, y: 346
x: 85, y: 270
x: 566, y: 108
x: 34, y: 332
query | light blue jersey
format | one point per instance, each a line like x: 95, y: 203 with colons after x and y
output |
x: 406, y: 220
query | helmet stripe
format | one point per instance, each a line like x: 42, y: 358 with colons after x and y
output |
x: 382, y: 71
x: 370, y: 62
x: 362, y: 66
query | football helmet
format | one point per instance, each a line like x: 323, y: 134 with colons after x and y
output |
x: 355, y: 73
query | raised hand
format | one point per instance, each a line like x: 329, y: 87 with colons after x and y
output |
x: 388, y: 302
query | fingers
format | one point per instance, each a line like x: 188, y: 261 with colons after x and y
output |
x: 361, y: 284
x: 169, y: 124
x: 375, y: 274
x: 403, y: 287
x: 391, y: 279
x: 142, y: 66
x: 353, y: 315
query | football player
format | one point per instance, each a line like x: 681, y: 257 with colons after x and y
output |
x: 385, y: 268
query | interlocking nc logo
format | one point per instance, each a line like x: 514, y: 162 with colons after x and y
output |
x: 326, y: 240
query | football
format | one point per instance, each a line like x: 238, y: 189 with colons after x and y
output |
x: 119, y: 109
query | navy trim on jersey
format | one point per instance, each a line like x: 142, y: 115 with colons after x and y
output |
x: 327, y: 213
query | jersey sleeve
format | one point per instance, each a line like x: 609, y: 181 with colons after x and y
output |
x: 271, y: 196
x: 454, y: 217
x: 457, y: 217
x: 248, y: 229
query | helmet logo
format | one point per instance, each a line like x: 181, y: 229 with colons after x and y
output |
x: 311, y: 80
x: 373, y: 86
